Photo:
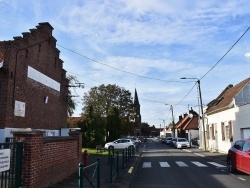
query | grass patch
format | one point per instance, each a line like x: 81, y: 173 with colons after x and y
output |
x: 92, y: 151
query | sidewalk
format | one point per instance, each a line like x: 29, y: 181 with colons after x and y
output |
x: 121, y: 181
x: 125, y: 177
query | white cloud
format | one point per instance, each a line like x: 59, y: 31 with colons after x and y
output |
x: 247, y: 54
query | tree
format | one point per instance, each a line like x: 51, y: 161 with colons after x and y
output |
x: 113, y: 124
x: 103, y: 98
x: 108, y: 101
x: 71, y: 103
x: 92, y: 129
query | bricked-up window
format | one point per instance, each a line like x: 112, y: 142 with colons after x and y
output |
x: 223, y: 131
x: 26, y: 52
x: 55, y: 63
x: 39, y: 48
x: 207, y: 131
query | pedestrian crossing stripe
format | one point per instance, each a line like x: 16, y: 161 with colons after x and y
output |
x: 198, y: 164
x: 164, y: 164
x: 146, y: 165
x: 182, y: 164
x: 216, y: 164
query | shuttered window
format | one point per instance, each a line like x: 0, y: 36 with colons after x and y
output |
x: 207, y: 131
x: 223, y: 131
x: 230, y: 131
x: 212, y: 132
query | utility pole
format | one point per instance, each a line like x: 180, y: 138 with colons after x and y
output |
x: 171, y: 107
x: 204, y: 147
x: 202, y: 116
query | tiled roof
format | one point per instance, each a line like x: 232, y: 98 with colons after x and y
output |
x: 226, y: 97
x: 72, y: 121
x: 188, y: 122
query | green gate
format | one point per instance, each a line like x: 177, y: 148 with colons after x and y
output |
x: 11, y: 164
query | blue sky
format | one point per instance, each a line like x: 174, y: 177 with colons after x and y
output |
x: 156, y: 41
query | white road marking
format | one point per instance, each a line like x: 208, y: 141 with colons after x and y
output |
x: 216, y: 164
x: 199, y: 154
x: 187, y: 150
x: 198, y: 164
x: 146, y: 165
x: 181, y: 164
x: 241, y: 178
x: 164, y: 164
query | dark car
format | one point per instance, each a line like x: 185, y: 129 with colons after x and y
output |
x: 168, y: 140
x: 238, y: 157
x: 173, y: 142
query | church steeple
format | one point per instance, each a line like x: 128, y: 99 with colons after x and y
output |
x: 137, y: 115
x: 136, y: 100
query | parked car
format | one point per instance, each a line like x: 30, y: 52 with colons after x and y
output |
x: 238, y: 157
x: 182, y: 143
x: 173, y: 141
x: 163, y: 140
x: 168, y: 140
x: 119, y: 144
x: 135, y: 140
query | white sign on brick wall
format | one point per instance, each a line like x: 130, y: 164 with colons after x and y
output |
x: 4, y: 160
x: 43, y: 79
x: 19, y: 109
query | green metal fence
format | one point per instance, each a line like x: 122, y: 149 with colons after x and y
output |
x: 11, y: 177
x: 94, y: 179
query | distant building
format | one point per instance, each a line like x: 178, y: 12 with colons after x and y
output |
x: 33, y: 83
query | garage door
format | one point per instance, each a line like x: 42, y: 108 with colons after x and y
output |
x: 246, y: 133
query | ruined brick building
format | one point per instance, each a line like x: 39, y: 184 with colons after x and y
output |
x: 33, y: 83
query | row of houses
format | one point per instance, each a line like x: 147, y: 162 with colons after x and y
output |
x: 226, y: 119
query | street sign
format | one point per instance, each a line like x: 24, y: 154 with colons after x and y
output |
x: 4, y: 160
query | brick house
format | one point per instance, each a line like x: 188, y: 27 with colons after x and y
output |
x: 188, y: 126
x: 33, y: 83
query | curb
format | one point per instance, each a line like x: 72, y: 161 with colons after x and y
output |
x: 205, y: 156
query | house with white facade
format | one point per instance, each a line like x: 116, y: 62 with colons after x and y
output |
x: 227, y: 118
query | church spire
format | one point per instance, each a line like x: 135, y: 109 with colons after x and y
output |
x: 136, y: 100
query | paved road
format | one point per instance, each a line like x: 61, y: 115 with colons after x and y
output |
x: 163, y: 166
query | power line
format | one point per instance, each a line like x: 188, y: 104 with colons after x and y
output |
x: 215, y: 64
x: 225, y: 54
x: 185, y: 95
x: 86, y: 57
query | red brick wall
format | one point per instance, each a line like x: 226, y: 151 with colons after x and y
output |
x: 48, y: 160
x: 36, y: 49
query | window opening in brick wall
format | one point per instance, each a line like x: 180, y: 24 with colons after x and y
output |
x: 55, y: 63
x: 39, y: 48
x: 26, y: 52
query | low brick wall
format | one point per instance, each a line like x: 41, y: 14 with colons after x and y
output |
x: 48, y: 160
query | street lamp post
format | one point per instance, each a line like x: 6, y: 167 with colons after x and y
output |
x: 202, y: 116
x: 172, y: 111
